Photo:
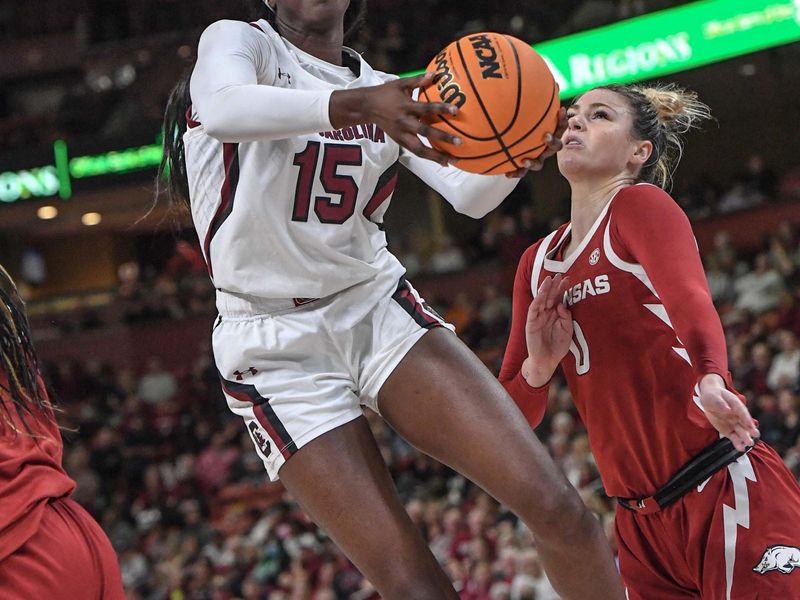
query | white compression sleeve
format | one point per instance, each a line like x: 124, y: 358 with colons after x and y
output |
x: 230, y: 103
x: 470, y: 194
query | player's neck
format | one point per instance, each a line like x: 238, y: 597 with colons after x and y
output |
x: 588, y: 201
x: 325, y: 45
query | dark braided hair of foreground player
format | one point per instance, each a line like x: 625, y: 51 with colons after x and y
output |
x: 19, y: 361
x: 437, y: 395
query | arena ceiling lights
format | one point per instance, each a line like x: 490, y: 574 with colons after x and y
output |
x: 656, y: 44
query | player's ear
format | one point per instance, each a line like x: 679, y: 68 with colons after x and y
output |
x: 642, y: 152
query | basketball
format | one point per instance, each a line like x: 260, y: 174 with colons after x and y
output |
x: 507, y: 99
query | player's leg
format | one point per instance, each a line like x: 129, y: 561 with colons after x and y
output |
x: 651, y: 556
x: 747, y: 540
x: 444, y: 401
x: 341, y: 481
x: 286, y: 379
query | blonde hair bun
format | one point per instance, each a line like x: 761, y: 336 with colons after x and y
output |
x: 677, y: 109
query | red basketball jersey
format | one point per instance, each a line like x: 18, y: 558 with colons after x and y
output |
x: 645, y: 331
x: 30, y: 472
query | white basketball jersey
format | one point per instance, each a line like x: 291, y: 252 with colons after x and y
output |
x: 297, y: 217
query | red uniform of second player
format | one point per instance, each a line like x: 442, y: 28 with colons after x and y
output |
x: 631, y: 292
x: 619, y: 299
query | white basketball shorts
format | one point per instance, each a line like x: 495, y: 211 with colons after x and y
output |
x: 295, y: 369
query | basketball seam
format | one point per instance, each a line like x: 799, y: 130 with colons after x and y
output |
x: 483, y: 108
x: 553, y: 97
x: 519, y: 85
x: 516, y: 106
x: 460, y: 131
x: 520, y: 139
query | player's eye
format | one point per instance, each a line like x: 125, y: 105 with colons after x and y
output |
x: 601, y: 114
x: 570, y: 115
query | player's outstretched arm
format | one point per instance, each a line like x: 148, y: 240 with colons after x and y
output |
x: 232, y: 106
x: 657, y: 235
x: 476, y: 195
x: 470, y: 194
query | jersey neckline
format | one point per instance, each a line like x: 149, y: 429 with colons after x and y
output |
x: 562, y: 266
x: 340, y: 71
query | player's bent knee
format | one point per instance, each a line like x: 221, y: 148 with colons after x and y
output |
x: 561, y: 515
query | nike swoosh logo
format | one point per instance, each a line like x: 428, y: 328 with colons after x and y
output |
x: 703, y: 485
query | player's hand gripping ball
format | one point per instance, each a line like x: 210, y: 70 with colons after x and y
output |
x: 507, y: 98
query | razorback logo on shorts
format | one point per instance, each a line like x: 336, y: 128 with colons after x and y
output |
x: 259, y: 439
x: 779, y: 558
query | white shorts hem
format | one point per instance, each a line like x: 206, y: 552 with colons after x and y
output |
x: 273, y: 470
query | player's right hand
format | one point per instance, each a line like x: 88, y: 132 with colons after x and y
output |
x: 727, y: 413
x: 548, y: 330
x: 391, y: 107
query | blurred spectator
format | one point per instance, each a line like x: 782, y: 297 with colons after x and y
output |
x: 759, y: 290
x: 447, y: 257
x: 754, y: 377
x: 494, y: 313
x: 157, y: 385
x: 770, y: 424
x: 530, y: 582
x: 187, y: 260
x: 739, y: 197
x: 785, y: 369
x: 214, y: 463
x: 720, y: 283
x: 725, y: 254
x: 758, y: 178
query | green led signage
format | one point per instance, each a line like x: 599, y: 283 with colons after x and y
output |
x: 645, y: 47
x: 56, y: 180
x: 40, y: 182
x: 123, y: 161
x: 669, y: 41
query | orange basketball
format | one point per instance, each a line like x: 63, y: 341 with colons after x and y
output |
x: 507, y: 99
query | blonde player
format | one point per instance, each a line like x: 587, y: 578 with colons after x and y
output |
x: 618, y: 298
x: 287, y: 146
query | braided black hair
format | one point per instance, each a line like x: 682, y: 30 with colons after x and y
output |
x: 22, y: 390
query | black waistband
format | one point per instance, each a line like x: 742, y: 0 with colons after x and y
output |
x: 711, y: 459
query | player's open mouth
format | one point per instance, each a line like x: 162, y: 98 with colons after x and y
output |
x: 571, y: 142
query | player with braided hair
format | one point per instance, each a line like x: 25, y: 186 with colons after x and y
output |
x: 50, y: 547
x: 286, y: 146
x: 618, y: 299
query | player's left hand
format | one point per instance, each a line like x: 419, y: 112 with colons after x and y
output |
x: 727, y: 413
x: 553, y: 141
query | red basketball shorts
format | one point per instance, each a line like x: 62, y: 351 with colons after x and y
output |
x: 734, y: 537
x: 68, y: 558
